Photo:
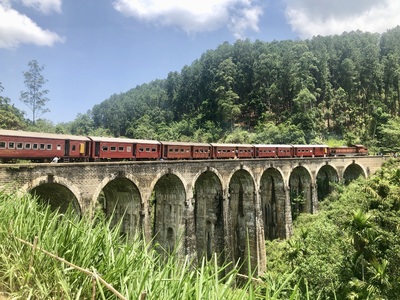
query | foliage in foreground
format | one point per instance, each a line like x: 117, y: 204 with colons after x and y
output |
x: 130, y: 267
x: 351, y: 249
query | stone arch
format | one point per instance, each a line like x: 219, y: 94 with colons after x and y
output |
x: 352, y: 172
x: 57, y: 192
x: 326, y: 175
x: 119, y: 198
x: 168, y: 213
x: 209, y: 216
x: 242, y: 219
x: 300, y: 191
x: 273, y: 203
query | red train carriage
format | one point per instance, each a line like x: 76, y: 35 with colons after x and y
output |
x: 175, y: 150
x: 201, y: 151
x: 112, y: 149
x: 220, y: 151
x: 223, y: 151
x: 310, y: 150
x: 42, y: 147
x: 185, y: 150
x: 245, y: 151
x: 271, y: 151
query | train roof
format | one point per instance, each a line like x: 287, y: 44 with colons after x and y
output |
x: 122, y: 140
x: 185, y: 144
x: 231, y: 145
x: 20, y: 133
x: 273, y: 145
x: 314, y: 146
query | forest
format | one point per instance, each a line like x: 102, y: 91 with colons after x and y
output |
x: 334, y: 89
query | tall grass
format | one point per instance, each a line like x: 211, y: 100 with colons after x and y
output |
x: 45, y: 255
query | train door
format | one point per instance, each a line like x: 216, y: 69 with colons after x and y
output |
x: 67, y: 146
x: 165, y: 151
x: 87, y: 149
x: 97, y: 149
x: 134, y: 150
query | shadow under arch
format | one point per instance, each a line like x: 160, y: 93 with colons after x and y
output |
x: 352, y: 172
x: 325, y: 176
x: 120, y: 199
x: 168, y: 204
x: 273, y: 202
x: 209, y: 217
x: 300, y: 187
x: 58, y: 196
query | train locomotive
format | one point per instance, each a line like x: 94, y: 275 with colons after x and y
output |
x: 43, y: 147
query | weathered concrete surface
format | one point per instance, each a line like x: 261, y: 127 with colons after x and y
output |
x: 228, y: 207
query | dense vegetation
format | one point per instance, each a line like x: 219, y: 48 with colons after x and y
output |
x: 344, y: 88
x: 351, y: 249
x: 44, y: 255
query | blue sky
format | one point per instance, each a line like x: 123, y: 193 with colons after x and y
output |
x: 92, y: 49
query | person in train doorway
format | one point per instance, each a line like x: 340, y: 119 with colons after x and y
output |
x: 55, y: 159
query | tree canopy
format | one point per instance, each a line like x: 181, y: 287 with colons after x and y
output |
x: 328, y: 86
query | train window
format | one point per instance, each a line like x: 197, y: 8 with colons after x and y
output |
x: 49, y: 146
x: 196, y: 151
x: 42, y: 146
x: 35, y: 146
x: 128, y: 149
x: 104, y: 148
x: 141, y: 149
x: 19, y: 145
x: 73, y: 148
x: 121, y: 148
x: 113, y: 148
x: 170, y: 150
x: 2, y: 145
x: 147, y: 149
x: 153, y: 150
x: 11, y: 145
x: 176, y: 150
x: 27, y: 146
x: 58, y: 147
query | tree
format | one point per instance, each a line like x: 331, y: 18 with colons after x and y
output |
x: 226, y: 97
x: 10, y: 116
x: 390, y: 135
x: 35, y: 96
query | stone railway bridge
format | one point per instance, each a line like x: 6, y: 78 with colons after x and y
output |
x: 196, y: 208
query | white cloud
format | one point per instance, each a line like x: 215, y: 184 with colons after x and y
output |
x: 16, y: 29
x: 197, y: 15
x: 45, y: 6
x: 326, y: 17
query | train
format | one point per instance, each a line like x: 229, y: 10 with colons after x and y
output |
x: 16, y: 145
